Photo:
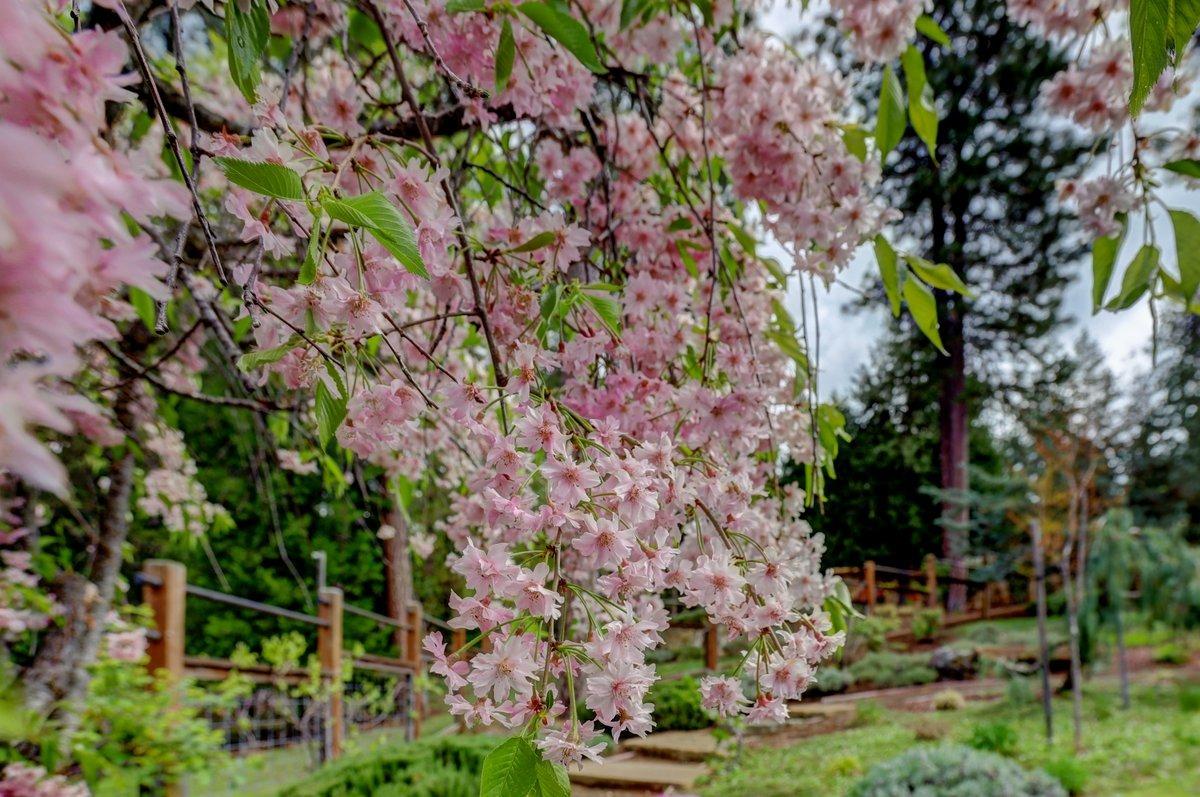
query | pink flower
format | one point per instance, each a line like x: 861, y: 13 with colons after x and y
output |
x: 767, y: 709
x: 722, y: 694
x: 569, y: 744
x: 508, y: 668
x: 568, y: 480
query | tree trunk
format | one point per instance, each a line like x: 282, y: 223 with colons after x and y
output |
x: 1039, y: 575
x: 1073, y: 616
x: 397, y: 576
x: 953, y: 455
x: 57, y: 680
x: 1122, y: 654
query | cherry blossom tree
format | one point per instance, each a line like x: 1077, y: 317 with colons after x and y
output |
x: 509, y: 250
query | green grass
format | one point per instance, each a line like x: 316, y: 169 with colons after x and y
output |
x: 1152, y: 749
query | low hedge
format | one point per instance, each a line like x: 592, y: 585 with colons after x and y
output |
x: 954, y: 771
x: 447, y: 767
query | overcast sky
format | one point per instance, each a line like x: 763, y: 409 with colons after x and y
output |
x: 847, y: 339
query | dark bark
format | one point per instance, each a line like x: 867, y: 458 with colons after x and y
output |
x: 56, y: 683
x: 397, y: 576
x: 954, y: 454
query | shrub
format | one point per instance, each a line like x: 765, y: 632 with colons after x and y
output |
x: 447, y: 767
x: 953, y: 771
x: 1189, y: 697
x: 1171, y: 653
x: 926, y: 624
x: 887, y: 669
x: 677, y: 706
x: 931, y: 729
x: 867, y: 712
x: 1070, y: 772
x: 1018, y: 691
x: 949, y: 700
x: 995, y: 737
x: 831, y: 680
x: 842, y: 765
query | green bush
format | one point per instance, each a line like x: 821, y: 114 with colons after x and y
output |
x: 1070, y: 772
x: 953, y: 771
x: 926, y: 624
x: 1171, y: 653
x: 1189, y: 697
x: 677, y: 706
x: 887, y: 669
x: 994, y: 737
x: 447, y: 767
x: 831, y: 680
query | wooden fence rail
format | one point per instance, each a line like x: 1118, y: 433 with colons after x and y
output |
x: 165, y: 591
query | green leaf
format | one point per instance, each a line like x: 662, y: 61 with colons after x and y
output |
x: 927, y: 26
x: 921, y: 110
x: 506, y: 51
x: 889, y: 123
x: 1187, y: 167
x: 312, y: 254
x: 542, y: 239
x: 606, y: 308
x: 566, y: 30
x: 552, y: 780
x: 1187, y: 248
x: 459, y: 6
x: 706, y: 10
x: 786, y: 342
x: 268, y: 179
x: 1184, y: 19
x: 1137, y: 278
x: 937, y: 275
x: 331, y: 411
x: 510, y: 770
x: 855, y: 139
x: 1148, y: 23
x: 1104, y: 258
x: 886, y: 256
x: 630, y: 9
x: 923, y: 309
x: 143, y: 304
x: 246, y: 34
x: 256, y: 359
x: 386, y: 224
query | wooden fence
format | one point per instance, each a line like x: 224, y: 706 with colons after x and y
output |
x: 165, y: 591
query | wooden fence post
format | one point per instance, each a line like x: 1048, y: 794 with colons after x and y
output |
x: 412, y: 651
x: 869, y: 576
x: 165, y: 592
x: 329, y: 652
x: 712, y: 647
x: 931, y: 588
x: 458, y: 639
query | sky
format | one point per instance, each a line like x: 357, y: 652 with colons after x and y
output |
x: 847, y: 338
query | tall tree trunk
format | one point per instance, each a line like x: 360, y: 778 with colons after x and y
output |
x: 57, y: 680
x: 1073, y: 614
x: 1039, y: 575
x: 397, y: 575
x: 954, y: 454
x: 1122, y: 653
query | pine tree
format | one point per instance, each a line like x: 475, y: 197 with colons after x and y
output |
x: 987, y: 210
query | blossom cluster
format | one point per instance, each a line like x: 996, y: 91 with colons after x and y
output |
x: 879, y: 30
x: 65, y: 244
x: 173, y: 494
x: 24, y: 780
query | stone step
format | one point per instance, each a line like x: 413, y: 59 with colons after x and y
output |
x: 627, y: 771
x: 675, y: 745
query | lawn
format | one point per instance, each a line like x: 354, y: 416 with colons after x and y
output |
x: 1152, y: 749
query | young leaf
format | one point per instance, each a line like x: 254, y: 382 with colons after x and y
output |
x: 387, y: 225
x: 509, y: 770
x: 566, y: 30
x: 1187, y: 248
x: 928, y: 27
x: 606, y: 308
x: 1104, y: 258
x: 921, y: 110
x: 268, y: 179
x: 538, y: 241
x: 459, y: 6
x: 787, y: 343
x: 923, y: 309
x: 505, y: 53
x: 143, y: 305
x: 312, y: 254
x: 1188, y: 168
x: 256, y: 359
x: 937, y: 275
x: 1137, y: 278
x: 331, y: 411
x: 889, y: 123
x: 1185, y: 17
x: 246, y: 37
x: 886, y: 255
x: 552, y: 779
x: 1148, y: 23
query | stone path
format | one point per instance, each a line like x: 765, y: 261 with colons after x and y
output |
x: 670, y: 762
